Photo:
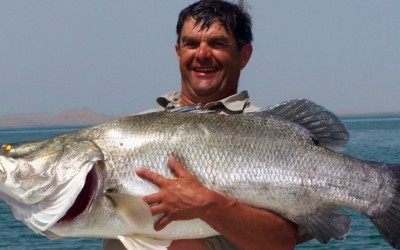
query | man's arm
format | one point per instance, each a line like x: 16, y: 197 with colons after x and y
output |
x: 185, y: 198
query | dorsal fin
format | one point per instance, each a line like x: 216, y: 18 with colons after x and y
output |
x: 326, y: 127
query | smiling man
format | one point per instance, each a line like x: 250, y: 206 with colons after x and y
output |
x: 213, y: 46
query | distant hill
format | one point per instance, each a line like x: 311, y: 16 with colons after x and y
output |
x: 80, y: 116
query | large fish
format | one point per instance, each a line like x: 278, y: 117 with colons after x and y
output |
x: 83, y: 184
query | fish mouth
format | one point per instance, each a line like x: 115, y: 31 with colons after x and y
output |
x: 87, y: 195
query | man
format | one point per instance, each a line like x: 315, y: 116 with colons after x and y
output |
x: 213, y: 46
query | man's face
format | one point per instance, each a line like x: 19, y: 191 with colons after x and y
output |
x: 210, y: 62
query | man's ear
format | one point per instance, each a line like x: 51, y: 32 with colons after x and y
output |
x: 178, y: 53
x: 246, y: 52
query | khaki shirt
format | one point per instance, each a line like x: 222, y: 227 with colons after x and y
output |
x: 231, y: 105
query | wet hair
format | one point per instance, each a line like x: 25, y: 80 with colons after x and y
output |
x: 233, y: 17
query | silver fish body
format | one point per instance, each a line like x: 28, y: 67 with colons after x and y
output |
x: 83, y: 184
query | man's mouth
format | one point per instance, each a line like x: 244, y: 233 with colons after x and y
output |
x: 205, y: 69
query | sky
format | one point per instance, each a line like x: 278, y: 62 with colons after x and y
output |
x: 117, y: 57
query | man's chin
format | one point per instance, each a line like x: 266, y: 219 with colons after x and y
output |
x: 206, y: 89
x: 206, y: 93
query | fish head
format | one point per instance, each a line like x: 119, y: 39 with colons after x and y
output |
x: 41, y: 180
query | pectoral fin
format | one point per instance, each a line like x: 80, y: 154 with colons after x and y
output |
x: 133, y: 209
x: 138, y: 242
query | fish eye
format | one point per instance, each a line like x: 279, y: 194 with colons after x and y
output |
x: 7, y: 147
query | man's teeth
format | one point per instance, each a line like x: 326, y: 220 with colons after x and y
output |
x: 205, y: 69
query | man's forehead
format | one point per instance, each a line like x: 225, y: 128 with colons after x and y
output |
x: 190, y: 24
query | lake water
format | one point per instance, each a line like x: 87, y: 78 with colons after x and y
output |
x: 371, y: 137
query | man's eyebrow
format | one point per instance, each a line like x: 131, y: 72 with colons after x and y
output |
x: 188, y: 39
x: 223, y: 39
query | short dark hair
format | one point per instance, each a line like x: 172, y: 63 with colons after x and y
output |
x: 233, y: 17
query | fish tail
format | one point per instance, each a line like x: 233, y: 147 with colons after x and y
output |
x: 388, y: 223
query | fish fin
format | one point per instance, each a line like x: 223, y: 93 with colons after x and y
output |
x: 133, y: 209
x: 326, y: 128
x: 49, y: 234
x: 331, y: 222
x: 138, y: 242
x: 388, y: 223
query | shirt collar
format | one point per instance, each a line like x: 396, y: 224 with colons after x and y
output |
x: 234, y: 103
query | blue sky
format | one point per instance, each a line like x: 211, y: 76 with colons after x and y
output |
x: 116, y: 57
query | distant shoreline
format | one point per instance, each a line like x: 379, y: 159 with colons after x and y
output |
x: 75, y: 117
x: 86, y: 117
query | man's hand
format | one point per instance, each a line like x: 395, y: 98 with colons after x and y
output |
x: 179, y: 198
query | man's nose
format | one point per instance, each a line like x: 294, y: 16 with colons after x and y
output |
x: 203, y: 52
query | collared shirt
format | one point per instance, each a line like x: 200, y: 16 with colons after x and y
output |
x: 234, y: 104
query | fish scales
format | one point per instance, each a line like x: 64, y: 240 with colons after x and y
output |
x: 301, y: 173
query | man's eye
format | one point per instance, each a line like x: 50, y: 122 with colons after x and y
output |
x: 189, y: 44
x: 218, y: 44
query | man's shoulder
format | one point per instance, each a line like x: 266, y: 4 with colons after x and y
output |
x: 163, y: 101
